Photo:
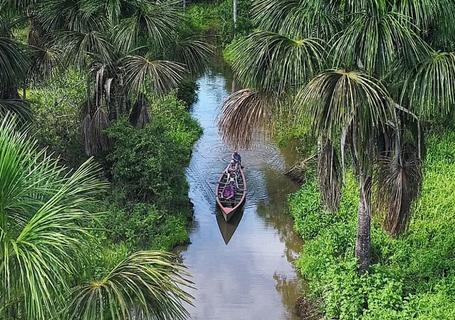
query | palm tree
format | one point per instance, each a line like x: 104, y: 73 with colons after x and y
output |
x: 44, y: 229
x: 284, y: 63
x: 129, y: 50
x: 13, y: 67
x: 357, y: 105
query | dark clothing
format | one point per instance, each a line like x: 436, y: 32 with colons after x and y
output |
x: 237, y: 158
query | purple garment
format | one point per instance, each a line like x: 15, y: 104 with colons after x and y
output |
x: 229, y: 192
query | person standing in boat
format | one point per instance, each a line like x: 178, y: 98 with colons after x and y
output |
x: 237, y: 158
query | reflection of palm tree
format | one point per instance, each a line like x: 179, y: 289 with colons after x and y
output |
x: 275, y: 213
x: 289, y: 290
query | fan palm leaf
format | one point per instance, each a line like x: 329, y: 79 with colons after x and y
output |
x: 18, y: 107
x: 374, y: 40
x: 245, y: 112
x: 296, y: 18
x: 193, y: 53
x: 67, y: 15
x: 430, y: 86
x: 338, y: 100
x: 159, y: 75
x: 421, y: 12
x: 13, y: 62
x: 41, y: 222
x: 155, y: 20
x: 81, y: 49
x: 269, y: 61
x: 146, y: 283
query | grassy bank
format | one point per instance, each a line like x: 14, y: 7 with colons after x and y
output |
x: 412, y: 277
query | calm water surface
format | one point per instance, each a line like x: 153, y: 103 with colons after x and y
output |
x: 242, y: 270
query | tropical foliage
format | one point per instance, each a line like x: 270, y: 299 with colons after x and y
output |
x: 360, y: 72
x: 44, y: 239
x: 412, y: 277
x: 125, y: 48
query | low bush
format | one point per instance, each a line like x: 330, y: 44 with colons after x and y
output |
x: 142, y: 225
x: 412, y: 277
x: 148, y: 165
x: 56, y: 112
x: 148, y: 206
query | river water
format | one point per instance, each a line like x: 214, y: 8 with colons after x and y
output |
x: 243, y: 269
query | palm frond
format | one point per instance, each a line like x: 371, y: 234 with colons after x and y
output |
x: 158, y: 75
x: 156, y: 21
x: 421, y: 12
x: 340, y: 101
x: 148, y: 284
x: 374, y: 40
x: 67, y: 15
x: 296, y: 18
x: 430, y: 86
x: 81, y: 49
x: 42, y: 222
x: 330, y: 176
x: 244, y: 113
x: 272, y: 62
x: 13, y: 62
x: 18, y: 107
x: 193, y: 53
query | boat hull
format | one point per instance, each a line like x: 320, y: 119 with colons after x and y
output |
x: 229, y: 208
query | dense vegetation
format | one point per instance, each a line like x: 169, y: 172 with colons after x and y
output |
x: 95, y: 78
x: 213, y: 19
x: 412, y: 277
x: 112, y: 80
x: 366, y: 80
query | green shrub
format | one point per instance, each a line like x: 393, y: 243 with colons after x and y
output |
x: 413, y: 277
x: 148, y: 165
x: 145, y: 226
x: 187, y: 92
x: 56, y: 112
x: 148, y: 206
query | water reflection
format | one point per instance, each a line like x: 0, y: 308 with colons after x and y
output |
x: 227, y: 228
x: 246, y: 271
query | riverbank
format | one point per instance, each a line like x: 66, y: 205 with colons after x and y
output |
x: 412, y: 277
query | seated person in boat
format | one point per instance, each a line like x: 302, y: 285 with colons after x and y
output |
x: 237, y: 158
x: 229, y: 189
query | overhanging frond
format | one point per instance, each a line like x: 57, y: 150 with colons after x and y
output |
x: 148, y: 284
x: 430, y: 86
x: 158, y: 75
x: 244, y: 113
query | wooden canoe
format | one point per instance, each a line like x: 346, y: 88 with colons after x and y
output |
x: 229, y: 207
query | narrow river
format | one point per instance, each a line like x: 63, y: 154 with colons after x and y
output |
x: 242, y: 270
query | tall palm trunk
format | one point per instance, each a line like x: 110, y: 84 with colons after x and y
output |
x: 363, y: 241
